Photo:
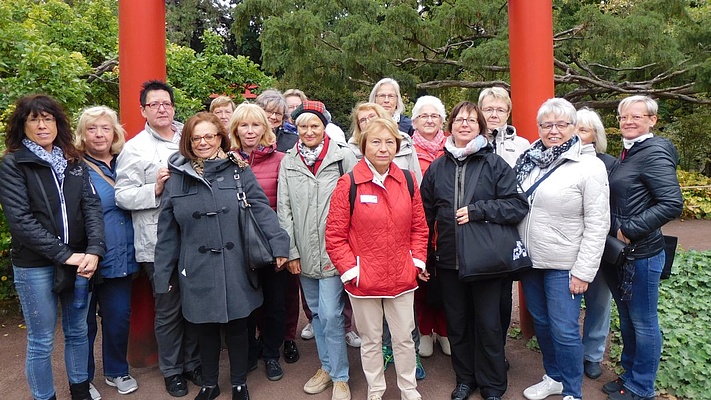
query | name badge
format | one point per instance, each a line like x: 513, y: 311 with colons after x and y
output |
x: 369, y: 198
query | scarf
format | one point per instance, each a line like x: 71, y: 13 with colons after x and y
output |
x: 55, y: 158
x: 539, y: 156
x: 431, y: 147
x: 310, y: 155
x: 460, y: 153
x: 198, y: 164
x: 628, y: 143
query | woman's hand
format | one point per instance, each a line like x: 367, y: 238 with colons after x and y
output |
x: 294, y: 266
x: 424, y: 276
x: 621, y: 236
x: 161, y: 177
x: 75, y: 259
x: 280, y: 263
x: 577, y: 286
x: 88, y: 266
x: 462, y: 215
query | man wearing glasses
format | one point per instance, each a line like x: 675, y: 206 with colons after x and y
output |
x: 495, y: 104
x: 141, y: 175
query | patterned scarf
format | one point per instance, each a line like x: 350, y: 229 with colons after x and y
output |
x: 310, y: 155
x: 432, y: 147
x: 539, y: 156
x: 199, y: 163
x: 460, y: 153
x: 55, y: 158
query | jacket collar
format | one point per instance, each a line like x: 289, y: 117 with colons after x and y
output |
x: 362, y: 172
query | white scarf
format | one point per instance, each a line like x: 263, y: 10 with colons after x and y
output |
x: 628, y: 143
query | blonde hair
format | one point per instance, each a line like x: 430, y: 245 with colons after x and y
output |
x: 91, y: 115
x: 378, y: 124
x: 296, y: 93
x: 221, y: 101
x: 497, y: 93
x: 355, y: 128
x: 247, y: 111
x: 590, y: 119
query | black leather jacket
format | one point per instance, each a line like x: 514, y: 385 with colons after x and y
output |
x: 645, y: 194
x: 41, y: 219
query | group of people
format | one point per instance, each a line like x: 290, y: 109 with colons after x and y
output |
x: 413, y: 230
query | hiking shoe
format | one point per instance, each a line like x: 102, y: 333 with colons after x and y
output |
x: 388, y: 357
x: 613, y: 386
x: 624, y: 394
x: 274, y: 371
x: 341, y: 391
x: 426, y: 345
x: 95, y: 395
x: 352, y: 339
x: 592, y: 369
x: 308, y: 332
x: 419, y: 369
x: 318, y: 383
x: 176, y: 385
x: 125, y: 384
x: 195, y: 376
x: 543, y: 389
x: 461, y: 392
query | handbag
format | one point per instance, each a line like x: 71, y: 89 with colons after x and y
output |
x: 670, y: 243
x: 615, y: 251
x: 500, y: 252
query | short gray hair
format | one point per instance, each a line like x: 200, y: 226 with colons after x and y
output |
x: 651, y: 105
x: 272, y: 98
x: 388, y: 81
x: 429, y: 101
x: 590, y: 119
x: 496, y: 92
x: 559, y: 108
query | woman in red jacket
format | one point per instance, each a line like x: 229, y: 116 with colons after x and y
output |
x: 364, y: 239
x: 254, y: 141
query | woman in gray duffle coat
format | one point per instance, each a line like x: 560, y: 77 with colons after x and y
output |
x: 199, y: 249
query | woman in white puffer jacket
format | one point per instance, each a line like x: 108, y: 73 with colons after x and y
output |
x: 564, y: 233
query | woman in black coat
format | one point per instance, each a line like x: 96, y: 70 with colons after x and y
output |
x: 475, y: 195
x: 57, y: 227
x: 199, y: 249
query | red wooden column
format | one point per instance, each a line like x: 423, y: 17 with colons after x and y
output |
x: 141, y: 58
x: 531, y: 48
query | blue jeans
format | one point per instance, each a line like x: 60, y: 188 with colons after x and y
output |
x: 639, y: 323
x: 113, y: 297
x: 555, y: 315
x: 597, y: 318
x: 325, y: 299
x: 39, y: 307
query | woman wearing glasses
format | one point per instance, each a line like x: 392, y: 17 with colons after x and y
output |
x: 495, y: 104
x: 274, y: 104
x: 644, y: 195
x: 54, y: 216
x: 199, y: 237
x: 564, y: 233
x: 467, y: 187
x: 386, y: 93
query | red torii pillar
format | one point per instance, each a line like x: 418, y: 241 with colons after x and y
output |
x: 141, y: 58
x: 531, y: 52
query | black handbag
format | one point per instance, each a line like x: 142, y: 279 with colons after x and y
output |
x: 615, y: 251
x: 670, y: 243
x: 501, y: 252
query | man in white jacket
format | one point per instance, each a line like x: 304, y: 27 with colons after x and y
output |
x: 141, y: 175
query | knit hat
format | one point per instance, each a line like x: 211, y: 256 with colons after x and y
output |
x: 314, y: 107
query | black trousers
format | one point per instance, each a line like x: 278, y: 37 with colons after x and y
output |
x: 506, y: 307
x: 474, y: 330
x: 271, y: 316
x: 237, y: 347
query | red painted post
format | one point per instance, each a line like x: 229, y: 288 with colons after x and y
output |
x: 141, y: 58
x: 531, y: 48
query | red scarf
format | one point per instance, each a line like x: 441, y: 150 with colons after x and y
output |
x: 432, y: 147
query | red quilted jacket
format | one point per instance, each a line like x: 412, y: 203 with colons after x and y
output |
x: 384, y: 238
x: 265, y: 164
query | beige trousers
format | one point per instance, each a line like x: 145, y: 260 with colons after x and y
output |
x: 368, y: 315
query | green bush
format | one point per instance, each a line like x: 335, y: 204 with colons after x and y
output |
x: 7, y: 290
x: 697, y: 199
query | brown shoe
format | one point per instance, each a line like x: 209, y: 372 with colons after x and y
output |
x: 318, y: 383
x: 341, y: 391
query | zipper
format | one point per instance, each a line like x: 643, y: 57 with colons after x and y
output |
x: 63, y: 205
x: 460, y: 171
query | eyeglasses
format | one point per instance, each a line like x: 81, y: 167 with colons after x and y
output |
x: 490, y: 110
x: 104, y: 129
x: 209, y: 138
x: 635, y: 118
x: 367, y: 119
x: 429, y: 116
x: 548, y: 126
x: 469, y: 121
x: 156, y: 105
x: 383, y: 96
x: 47, y: 120
x: 274, y: 113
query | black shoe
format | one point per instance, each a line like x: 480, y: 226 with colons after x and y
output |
x: 176, y: 385
x: 195, y: 376
x: 291, y: 352
x: 461, y: 392
x: 274, y: 371
x: 624, y: 394
x: 240, y: 392
x: 208, y: 393
x: 80, y: 391
x: 592, y: 369
x: 493, y: 398
x: 613, y: 386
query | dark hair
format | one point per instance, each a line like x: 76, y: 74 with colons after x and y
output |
x: 33, y: 106
x: 186, y: 148
x: 149, y: 86
x: 470, y: 108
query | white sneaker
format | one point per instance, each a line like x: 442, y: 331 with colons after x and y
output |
x: 125, y: 384
x: 543, y: 389
x: 444, y: 344
x: 570, y: 398
x: 308, y: 332
x: 95, y: 395
x: 426, y: 345
x: 352, y: 339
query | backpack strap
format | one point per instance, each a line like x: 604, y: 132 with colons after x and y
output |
x: 410, y: 183
x: 352, y: 193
